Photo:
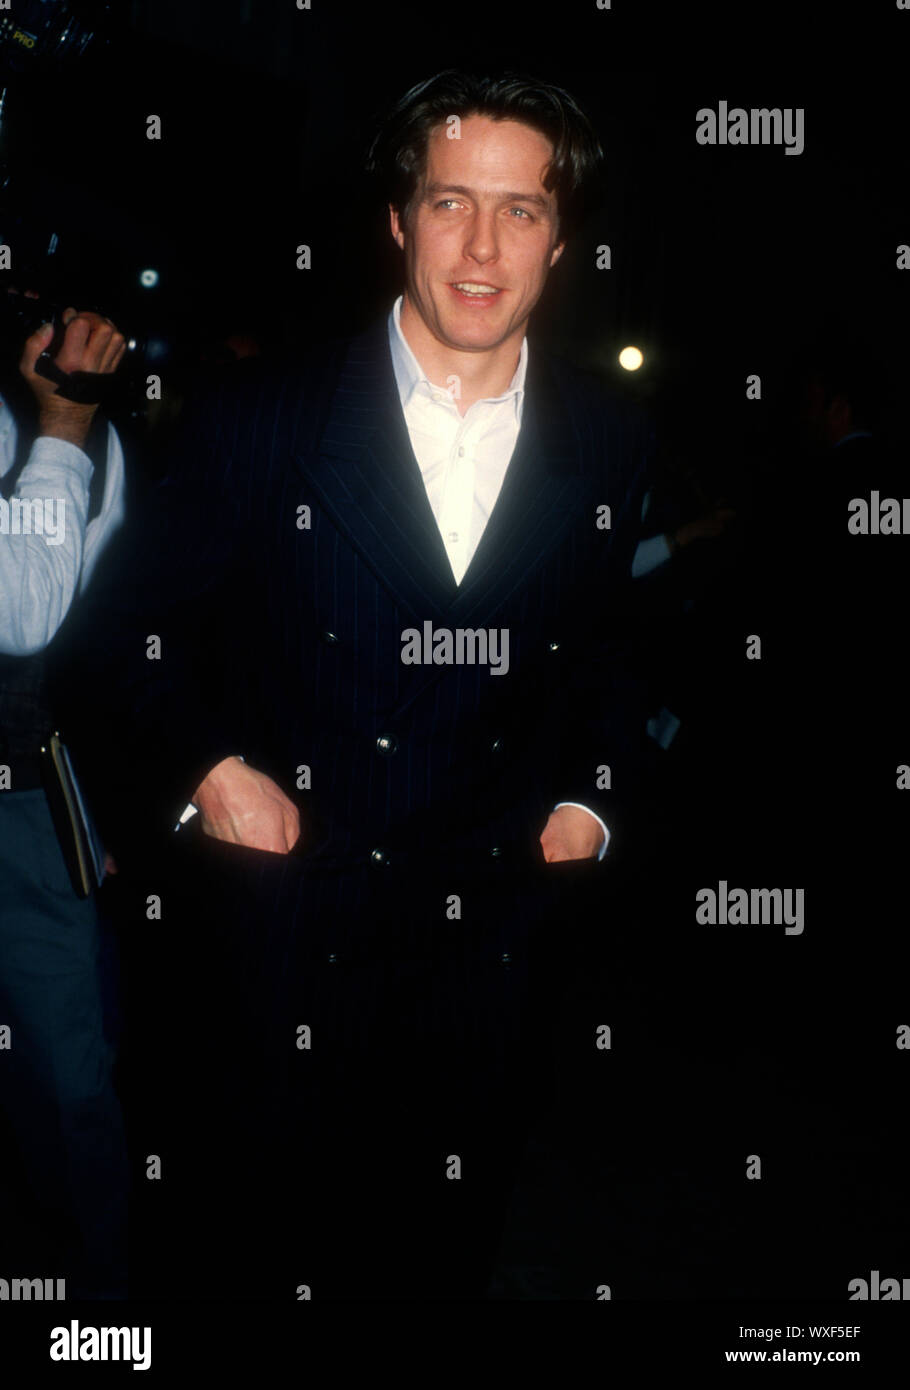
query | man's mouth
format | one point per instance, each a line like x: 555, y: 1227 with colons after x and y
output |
x: 475, y: 292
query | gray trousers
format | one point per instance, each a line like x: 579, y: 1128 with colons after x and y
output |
x: 56, y: 1088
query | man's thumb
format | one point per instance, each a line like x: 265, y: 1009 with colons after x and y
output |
x: 36, y: 345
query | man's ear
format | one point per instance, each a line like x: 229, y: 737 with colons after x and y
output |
x: 395, y: 223
x: 557, y: 252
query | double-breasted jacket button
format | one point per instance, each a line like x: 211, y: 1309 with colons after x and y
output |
x: 386, y: 744
x: 378, y: 856
x: 329, y: 638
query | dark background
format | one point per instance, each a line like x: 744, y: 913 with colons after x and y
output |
x: 726, y: 262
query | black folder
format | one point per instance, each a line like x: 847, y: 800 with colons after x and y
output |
x: 75, y: 833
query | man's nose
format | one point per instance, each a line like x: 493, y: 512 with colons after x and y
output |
x: 482, y: 243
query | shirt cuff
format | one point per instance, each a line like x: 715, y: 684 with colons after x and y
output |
x: 47, y: 448
x: 650, y: 555
x: 191, y: 810
x: 603, y: 848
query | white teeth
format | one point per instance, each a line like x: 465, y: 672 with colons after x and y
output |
x: 477, y: 289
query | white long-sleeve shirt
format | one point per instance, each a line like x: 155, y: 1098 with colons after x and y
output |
x: 51, y: 559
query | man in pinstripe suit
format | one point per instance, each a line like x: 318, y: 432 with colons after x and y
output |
x: 387, y: 851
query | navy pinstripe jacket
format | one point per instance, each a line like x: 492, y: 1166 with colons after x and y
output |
x: 282, y: 640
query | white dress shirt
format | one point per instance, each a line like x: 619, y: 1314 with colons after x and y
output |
x: 38, y: 581
x: 463, y: 458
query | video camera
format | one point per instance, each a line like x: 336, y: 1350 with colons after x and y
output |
x: 21, y: 315
x: 49, y: 32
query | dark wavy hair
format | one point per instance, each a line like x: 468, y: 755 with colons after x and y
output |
x: 396, y: 160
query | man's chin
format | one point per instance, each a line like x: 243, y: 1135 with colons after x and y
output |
x: 471, y: 337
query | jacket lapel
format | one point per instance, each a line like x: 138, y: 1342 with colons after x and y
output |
x: 542, y: 494
x: 365, y: 475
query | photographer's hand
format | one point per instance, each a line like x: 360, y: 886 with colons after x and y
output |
x: 91, y: 344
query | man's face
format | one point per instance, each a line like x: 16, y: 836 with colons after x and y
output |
x: 481, y: 221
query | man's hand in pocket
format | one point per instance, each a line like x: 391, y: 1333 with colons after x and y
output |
x: 570, y: 833
x: 241, y: 806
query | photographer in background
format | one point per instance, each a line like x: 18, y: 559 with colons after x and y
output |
x: 56, y: 1089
